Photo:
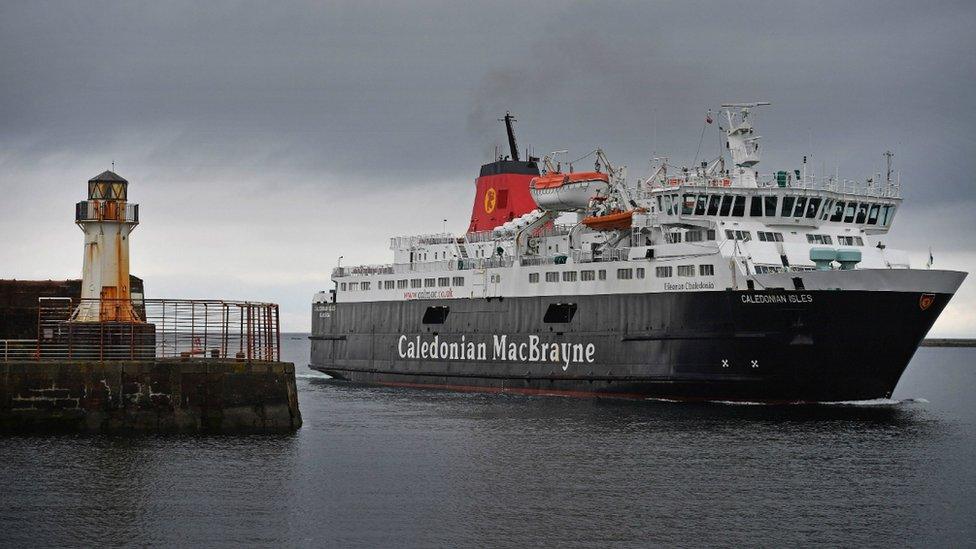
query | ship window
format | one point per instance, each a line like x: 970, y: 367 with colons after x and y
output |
x: 710, y: 234
x: 353, y: 286
x: 389, y: 284
x: 458, y: 281
x: 560, y: 313
x: 436, y: 315
x: 700, y: 208
x: 401, y: 284
x: 602, y: 274
x: 862, y: 212
x: 713, y: 203
x: 686, y: 270
x: 640, y: 272
x: 849, y: 212
x: 533, y: 278
x: 756, y: 206
x: 838, y: 211
x: 662, y: 272
x: 587, y: 276
x: 787, y: 206
x: 569, y: 276
x: 887, y: 212
x: 625, y: 274
x: 430, y: 282
x: 729, y: 234
x: 502, y: 200
x: 660, y: 204
x: 342, y: 286
x: 812, y: 208
x: 667, y: 204
x: 693, y: 236
x: 770, y: 205
x: 688, y: 205
x: 726, y: 205
x: 706, y: 270
x: 873, y: 215
x: 739, y: 207
x: 552, y: 277
x: 819, y: 239
x: 801, y: 203
x: 826, y: 210
x: 444, y: 281
x: 414, y: 282
x: 859, y: 241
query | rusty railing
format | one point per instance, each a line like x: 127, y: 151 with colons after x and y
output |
x: 163, y: 328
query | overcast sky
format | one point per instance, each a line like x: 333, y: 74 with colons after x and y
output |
x: 264, y: 140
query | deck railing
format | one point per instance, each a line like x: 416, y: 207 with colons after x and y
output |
x: 162, y: 328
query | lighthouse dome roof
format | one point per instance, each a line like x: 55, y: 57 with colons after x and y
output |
x: 108, y: 176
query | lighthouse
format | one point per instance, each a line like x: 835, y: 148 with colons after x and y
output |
x: 107, y: 219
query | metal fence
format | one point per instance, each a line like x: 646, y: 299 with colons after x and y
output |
x: 164, y: 328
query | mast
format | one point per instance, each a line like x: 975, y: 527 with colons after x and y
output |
x: 511, y: 135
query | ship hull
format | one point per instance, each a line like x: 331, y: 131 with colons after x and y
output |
x: 769, y: 346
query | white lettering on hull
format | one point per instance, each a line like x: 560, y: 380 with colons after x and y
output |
x: 531, y: 350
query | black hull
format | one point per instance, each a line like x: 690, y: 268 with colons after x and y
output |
x: 775, y: 346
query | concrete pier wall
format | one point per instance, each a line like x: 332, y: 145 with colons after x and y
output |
x: 182, y: 395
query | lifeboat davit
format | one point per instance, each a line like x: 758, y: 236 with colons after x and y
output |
x: 566, y: 192
x: 612, y: 221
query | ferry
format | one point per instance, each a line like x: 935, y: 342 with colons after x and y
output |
x: 708, y: 282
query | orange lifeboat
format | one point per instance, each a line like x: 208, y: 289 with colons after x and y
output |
x: 611, y: 222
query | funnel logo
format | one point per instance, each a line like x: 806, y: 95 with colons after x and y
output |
x: 491, y: 198
x: 926, y: 301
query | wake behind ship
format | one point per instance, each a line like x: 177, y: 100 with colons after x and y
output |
x: 714, y: 282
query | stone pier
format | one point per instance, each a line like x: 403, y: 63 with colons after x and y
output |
x: 164, y: 395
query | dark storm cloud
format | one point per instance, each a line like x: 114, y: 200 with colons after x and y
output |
x: 302, y: 98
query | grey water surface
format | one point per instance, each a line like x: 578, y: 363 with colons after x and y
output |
x: 383, y: 467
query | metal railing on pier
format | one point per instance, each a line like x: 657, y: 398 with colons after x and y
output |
x: 161, y: 328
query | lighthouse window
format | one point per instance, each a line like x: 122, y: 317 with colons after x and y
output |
x: 726, y: 205
x: 602, y: 274
x: 706, y: 270
x: 838, y: 211
x: 873, y: 214
x: 552, y: 277
x: 663, y: 272
x: 787, y: 206
x: 713, y: 203
x: 700, y: 208
x: 587, y: 276
x: 686, y: 270
x: 414, y: 282
x: 444, y: 281
x: 801, y: 203
x: 625, y: 274
x: 849, y: 212
x: 688, y: 205
x: 739, y: 207
x: 756, y: 207
x: 430, y: 282
x: 533, y: 278
x: 569, y: 276
x: 560, y: 313
x: 640, y: 272
x: 862, y: 213
x: 770, y: 205
x: 458, y: 281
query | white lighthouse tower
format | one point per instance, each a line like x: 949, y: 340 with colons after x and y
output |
x: 107, y: 220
